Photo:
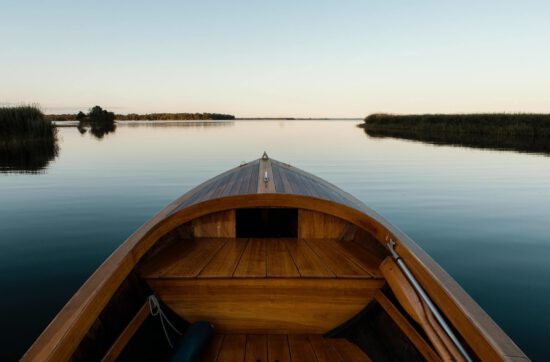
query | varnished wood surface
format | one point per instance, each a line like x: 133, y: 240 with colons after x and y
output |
x: 282, y: 348
x: 419, y: 342
x: 267, y: 305
x: 266, y: 186
x: 127, y: 334
x: 261, y: 258
x: 283, y: 179
x: 316, y: 225
x: 63, y: 335
x: 217, y: 225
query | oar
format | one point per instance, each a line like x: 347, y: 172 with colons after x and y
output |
x: 410, y: 301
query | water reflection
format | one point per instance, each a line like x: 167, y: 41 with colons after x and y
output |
x: 539, y: 145
x: 179, y: 124
x: 26, y: 157
x: 98, y: 130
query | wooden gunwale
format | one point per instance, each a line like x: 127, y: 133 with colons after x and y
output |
x: 60, y: 339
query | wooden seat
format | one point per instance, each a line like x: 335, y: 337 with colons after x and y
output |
x: 265, y: 285
x: 282, y: 348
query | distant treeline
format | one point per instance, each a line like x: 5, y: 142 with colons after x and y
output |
x: 152, y: 117
x: 520, y: 132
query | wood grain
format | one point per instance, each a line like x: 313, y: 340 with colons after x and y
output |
x: 277, y: 348
x: 339, y: 263
x: 253, y: 261
x: 127, y: 334
x: 63, y: 335
x: 317, y: 225
x: 279, y: 261
x: 224, y: 263
x: 211, y: 354
x: 256, y: 348
x: 416, y: 338
x: 233, y: 348
x: 323, y: 350
x: 263, y: 305
x: 216, y: 225
x: 269, y: 186
x: 309, y: 264
x: 300, y: 348
x: 347, y: 350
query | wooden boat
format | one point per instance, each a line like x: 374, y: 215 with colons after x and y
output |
x: 286, y: 267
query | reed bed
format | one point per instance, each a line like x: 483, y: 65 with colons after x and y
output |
x: 512, y: 132
x: 25, y: 124
x: 501, y: 124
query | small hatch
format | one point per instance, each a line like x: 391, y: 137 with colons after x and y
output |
x: 267, y: 223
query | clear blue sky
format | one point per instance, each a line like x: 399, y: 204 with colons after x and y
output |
x: 277, y: 58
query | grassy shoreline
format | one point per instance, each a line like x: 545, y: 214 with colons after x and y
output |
x: 504, y: 124
x: 25, y: 124
x: 514, y: 132
x: 28, y: 141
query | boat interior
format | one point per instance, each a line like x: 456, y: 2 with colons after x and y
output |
x: 281, y: 284
x: 266, y: 262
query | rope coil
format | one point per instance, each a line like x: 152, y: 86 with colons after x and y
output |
x: 156, y: 310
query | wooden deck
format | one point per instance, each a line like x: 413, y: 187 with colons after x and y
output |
x: 262, y: 258
x: 265, y: 285
x: 281, y: 348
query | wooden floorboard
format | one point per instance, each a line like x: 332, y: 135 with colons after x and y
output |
x: 193, y: 262
x: 300, y: 348
x: 253, y: 261
x: 338, y: 262
x: 211, y: 354
x: 323, y: 350
x: 233, y: 348
x: 224, y: 263
x: 347, y: 350
x: 277, y: 348
x: 280, y: 263
x: 309, y: 264
x: 282, y: 348
x: 256, y: 348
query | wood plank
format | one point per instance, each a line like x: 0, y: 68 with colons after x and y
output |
x: 253, y: 261
x: 211, y: 354
x: 256, y: 348
x: 414, y: 306
x: 277, y: 348
x: 419, y: 342
x: 127, y: 334
x: 279, y: 260
x: 317, y: 225
x: 300, y: 348
x: 233, y: 348
x: 309, y: 264
x: 323, y: 350
x: 162, y: 261
x: 68, y: 329
x: 191, y: 264
x: 349, y: 351
x: 267, y: 305
x: 216, y: 225
x: 359, y: 256
x: 335, y: 260
x: 269, y: 186
x: 224, y: 263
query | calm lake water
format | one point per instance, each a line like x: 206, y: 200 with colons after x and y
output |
x: 483, y: 215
